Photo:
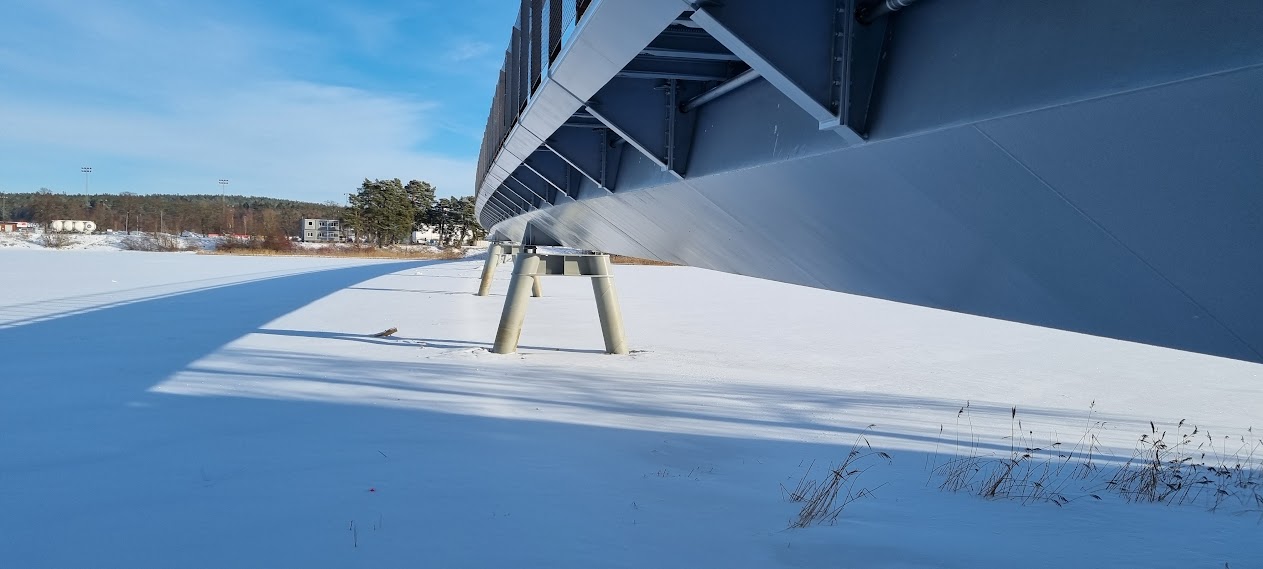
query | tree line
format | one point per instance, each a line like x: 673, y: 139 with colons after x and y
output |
x: 165, y: 213
x: 386, y: 212
x: 382, y: 212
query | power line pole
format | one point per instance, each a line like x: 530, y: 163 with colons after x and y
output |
x: 223, y: 186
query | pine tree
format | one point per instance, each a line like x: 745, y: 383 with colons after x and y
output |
x: 382, y: 211
x: 421, y: 194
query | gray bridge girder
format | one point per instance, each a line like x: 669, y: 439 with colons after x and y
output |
x: 991, y: 160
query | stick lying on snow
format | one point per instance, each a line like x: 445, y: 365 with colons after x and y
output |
x: 385, y: 332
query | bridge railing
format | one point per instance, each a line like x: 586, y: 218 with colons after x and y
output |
x: 543, y: 28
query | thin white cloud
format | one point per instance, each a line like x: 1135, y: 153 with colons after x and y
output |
x: 293, y: 138
x: 466, y: 50
x: 372, y: 30
x: 183, y: 100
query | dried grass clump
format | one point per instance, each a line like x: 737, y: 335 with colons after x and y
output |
x: 348, y: 250
x: 1190, y: 470
x: 1030, y: 473
x: 275, y: 242
x: 624, y: 260
x: 1184, y: 469
x: 58, y: 240
x: 161, y: 242
x: 824, y: 500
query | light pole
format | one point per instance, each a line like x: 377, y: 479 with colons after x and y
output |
x: 86, y: 170
x: 109, y: 212
x: 223, y: 186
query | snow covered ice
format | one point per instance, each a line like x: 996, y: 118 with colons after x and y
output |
x: 179, y: 410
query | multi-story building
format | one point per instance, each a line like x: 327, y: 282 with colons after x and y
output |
x: 322, y: 231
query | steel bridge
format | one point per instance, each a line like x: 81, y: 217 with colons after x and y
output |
x: 1088, y: 165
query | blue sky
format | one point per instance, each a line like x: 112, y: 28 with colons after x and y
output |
x: 283, y: 98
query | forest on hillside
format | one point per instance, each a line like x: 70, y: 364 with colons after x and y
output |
x: 382, y: 212
x: 166, y: 213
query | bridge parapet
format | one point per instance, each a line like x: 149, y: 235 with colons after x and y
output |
x: 542, y: 28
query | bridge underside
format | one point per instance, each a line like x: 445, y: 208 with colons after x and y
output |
x: 1088, y: 166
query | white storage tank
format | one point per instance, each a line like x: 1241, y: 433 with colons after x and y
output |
x: 77, y: 226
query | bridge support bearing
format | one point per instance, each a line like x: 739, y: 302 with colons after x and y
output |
x: 496, y: 253
x: 529, y: 266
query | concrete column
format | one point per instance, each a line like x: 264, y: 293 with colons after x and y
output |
x: 607, y: 306
x: 489, y: 268
x: 515, y: 301
x: 536, y: 290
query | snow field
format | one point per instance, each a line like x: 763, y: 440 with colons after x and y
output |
x: 207, y: 411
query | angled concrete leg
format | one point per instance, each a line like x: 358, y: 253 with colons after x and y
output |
x: 515, y: 301
x: 607, y: 307
x: 489, y: 269
x: 536, y: 291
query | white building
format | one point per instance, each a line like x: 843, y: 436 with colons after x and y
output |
x: 428, y: 236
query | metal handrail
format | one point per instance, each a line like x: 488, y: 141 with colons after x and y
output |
x: 542, y: 29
